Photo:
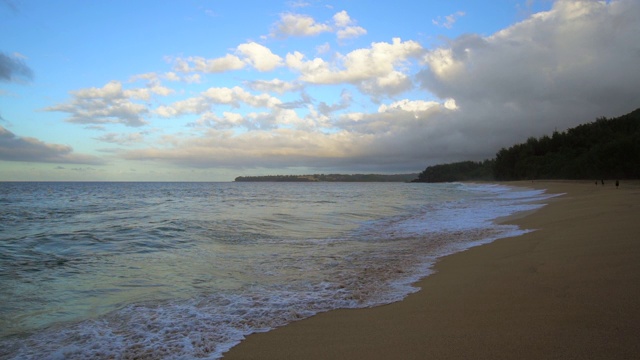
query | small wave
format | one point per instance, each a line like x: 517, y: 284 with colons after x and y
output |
x: 243, y: 270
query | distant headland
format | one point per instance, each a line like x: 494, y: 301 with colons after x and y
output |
x: 603, y: 149
x: 330, y: 178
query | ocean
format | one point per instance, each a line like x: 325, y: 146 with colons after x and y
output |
x: 110, y: 270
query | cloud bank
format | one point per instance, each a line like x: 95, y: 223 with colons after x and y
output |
x: 463, y: 100
x: 15, y: 148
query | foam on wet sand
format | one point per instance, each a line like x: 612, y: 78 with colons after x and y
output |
x: 570, y: 290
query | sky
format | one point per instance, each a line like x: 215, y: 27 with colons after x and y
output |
x: 207, y: 90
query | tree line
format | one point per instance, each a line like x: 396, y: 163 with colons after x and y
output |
x: 603, y: 149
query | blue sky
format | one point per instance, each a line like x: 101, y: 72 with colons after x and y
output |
x: 211, y: 90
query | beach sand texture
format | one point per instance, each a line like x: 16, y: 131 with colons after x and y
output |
x: 570, y: 290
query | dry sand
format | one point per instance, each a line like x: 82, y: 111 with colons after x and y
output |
x: 570, y: 290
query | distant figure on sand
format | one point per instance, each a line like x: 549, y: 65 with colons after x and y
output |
x: 602, y: 181
x: 617, y: 184
x: 596, y: 182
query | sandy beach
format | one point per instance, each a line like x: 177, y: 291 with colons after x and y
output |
x: 569, y: 290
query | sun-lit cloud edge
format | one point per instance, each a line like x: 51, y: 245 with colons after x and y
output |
x: 550, y: 71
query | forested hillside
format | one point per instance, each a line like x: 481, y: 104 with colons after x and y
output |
x: 460, y: 171
x: 606, y: 148
x: 603, y: 149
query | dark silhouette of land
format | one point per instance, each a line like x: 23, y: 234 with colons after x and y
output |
x: 329, y: 178
x: 603, y: 149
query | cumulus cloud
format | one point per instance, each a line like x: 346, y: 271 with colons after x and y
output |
x: 259, y: 56
x: 304, y: 25
x: 282, y: 138
x: 552, y: 71
x: 200, y: 64
x: 13, y: 68
x: 298, y: 25
x: 228, y: 120
x: 217, y: 96
x: 346, y: 27
x: 373, y: 70
x: 254, y: 121
x: 253, y: 54
x: 273, y: 117
x: 274, y: 148
x: 351, y: 32
x: 108, y: 104
x: 28, y: 149
x: 414, y: 106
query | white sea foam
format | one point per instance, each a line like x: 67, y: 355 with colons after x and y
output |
x: 276, y: 280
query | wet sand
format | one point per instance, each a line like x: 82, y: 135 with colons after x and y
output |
x: 570, y: 290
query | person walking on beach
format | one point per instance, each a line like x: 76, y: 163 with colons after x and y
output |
x: 617, y: 184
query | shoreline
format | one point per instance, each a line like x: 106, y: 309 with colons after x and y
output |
x: 570, y: 289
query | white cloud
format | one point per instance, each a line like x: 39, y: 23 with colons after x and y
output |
x: 304, y: 25
x: 342, y: 19
x: 228, y: 120
x: 345, y: 26
x: 391, y: 84
x: 374, y: 70
x: 259, y: 56
x: 298, y: 25
x: 253, y: 54
x: 554, y: 70
x: 108, y: 104
x: 199, y: 64
x: 233, y: 96
x: 282, y: 138
x: 273, y: 119
x: 450, y: 104
x: 161, y: 90
x: 351, y: 32
x: 150, y: 77
x: 171, y: 76
x: 408, y: 105
x: 217, y: 96
x: 145, y: 93
x: 112, y: 90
